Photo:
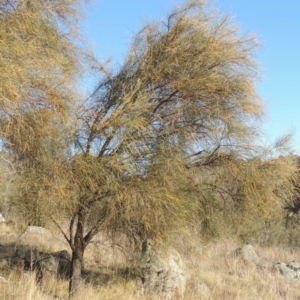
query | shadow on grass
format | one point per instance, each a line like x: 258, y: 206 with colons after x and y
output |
x: 7, y: 252
x: 109, y: 275
x: 95, y: 275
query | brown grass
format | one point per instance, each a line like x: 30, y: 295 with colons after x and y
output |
x: 229, y: 278
x: 213, y: 274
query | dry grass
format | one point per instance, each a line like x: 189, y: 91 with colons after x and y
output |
x: 213, y: 274
x: 228, y: 277
x: 23, y: 287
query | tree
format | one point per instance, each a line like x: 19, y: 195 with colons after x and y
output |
x: 241, y: 197
x: 40, y: 62
x: 184, y: 101
x: 150, y: 144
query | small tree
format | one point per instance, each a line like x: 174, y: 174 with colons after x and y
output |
x: 240, y: 197
x: 183, y: 102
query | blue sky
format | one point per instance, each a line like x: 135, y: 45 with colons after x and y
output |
x: 110, y: 25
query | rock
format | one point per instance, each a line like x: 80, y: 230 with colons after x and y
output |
x: 44, y: 264
x: 6, y: 255
x: 37, y: 248
x: 249, y: 255
x: 200, y: 287
x: 2, y: 220
x: 40, y: 231
x: 290, y: 270
x: 33, y: 238
x: 294, y: 265
x: 161, y: 272
x: 38, y: 238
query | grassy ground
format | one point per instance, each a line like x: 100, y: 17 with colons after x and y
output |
x: 213, y: 274
x: 229, y: 278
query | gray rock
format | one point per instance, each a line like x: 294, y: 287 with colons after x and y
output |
x: 290, y: 271
x: 45, y: 264
x: 201, y: 288
x: 38, y: 238
x: 161, y: 272
x: 249, y: 255
x: 294, y: 265
x: 34, y: 238
x: 40, y: 231
x: 37, y: 248
x: 2, y: 219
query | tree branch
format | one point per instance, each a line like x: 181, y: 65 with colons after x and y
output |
x: 71, y: 229
x: 61, y: 230
x: 164, y: 100
x: 94, y: 230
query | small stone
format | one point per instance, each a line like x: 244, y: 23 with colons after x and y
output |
x: 2, y: 219
x: 2, y: 280
x: 249, y: 255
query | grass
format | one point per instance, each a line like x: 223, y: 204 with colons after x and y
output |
x: 229, y: 278
x: 213, y: 274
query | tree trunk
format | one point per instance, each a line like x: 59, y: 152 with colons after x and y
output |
x: 77, y: 257
x: 76, y: 268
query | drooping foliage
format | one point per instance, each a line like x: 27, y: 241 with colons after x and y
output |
x: 178, y: 124
x: 39, y: 62
x: 184, y: 99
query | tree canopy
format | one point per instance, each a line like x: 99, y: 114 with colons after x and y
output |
x: 39, y: 63
x: 184, y: 99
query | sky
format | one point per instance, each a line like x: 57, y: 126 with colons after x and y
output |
x: 110, y: 25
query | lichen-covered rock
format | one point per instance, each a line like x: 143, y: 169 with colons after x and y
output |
x: 290, y: 270
x: 294, y: 265
x: 161, y: 272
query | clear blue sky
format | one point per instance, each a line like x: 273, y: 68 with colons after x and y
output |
x: 110, y: 25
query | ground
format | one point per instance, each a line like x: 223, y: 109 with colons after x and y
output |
x: 214, y: 273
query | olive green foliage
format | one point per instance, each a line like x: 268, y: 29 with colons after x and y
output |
x: 173, y: 137
x: 245, y: 198
x: 182, y: 115
x: 39, y: 63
